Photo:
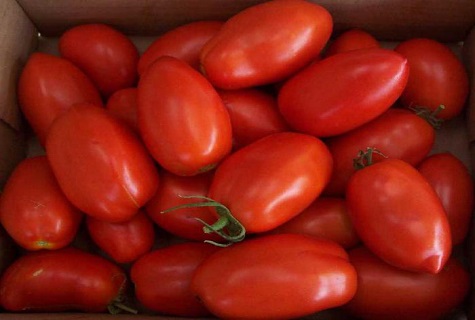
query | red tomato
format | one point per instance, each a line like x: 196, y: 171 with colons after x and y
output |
x: 8, y: 251
x: 66, y: 279
x: 123, y: 104
x: 398, y: 216
x: 437, y: 77
x: 254, y: 115
x: 387, y: 292
x: 266, y: 43
x: 34, y: 210
x: 397, y: 133
x: 343, y: 92
x: 353, y: 39
x: 184, y: 42
x: 272, y: 180
x: 195, y: 130
x: 125, y: 241
x: 181, y: 222
x: 162, y: 279
x: 275, y: 277
x: 453, y: 183
x: 105, y: 54
x: 50, y: 85
x: 326, y: 217
x: 101, y: 166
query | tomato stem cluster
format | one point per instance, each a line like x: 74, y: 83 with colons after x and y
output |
x: 365, y: 157
x: 430, y: 116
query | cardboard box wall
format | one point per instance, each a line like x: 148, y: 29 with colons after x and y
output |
x: 28, y: 25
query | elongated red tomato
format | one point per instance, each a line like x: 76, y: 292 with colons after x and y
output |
x: 399, y: 217
x: 353, y: 39
x: 387, y: 292
x: 343, y: 92
x: 123, y: 104
x: 270, y: 181
x: 34, y: 210
x: 66, y: 279
x: 162, y: 279
x: 50, y: 85
x: 125, y: 241
x: 397, y: 133
x: 247, y: 51
x: 104, y: 53
x: 452, y: 181
x: 275, y: 277
x: 184, y: 42
x: 100, y: 164
x: 181, y: 118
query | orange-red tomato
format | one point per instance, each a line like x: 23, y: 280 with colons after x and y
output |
x: 123, y: 104
x: 352, y: 39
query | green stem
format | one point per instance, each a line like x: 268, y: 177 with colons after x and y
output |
x: 364, y: 158
x: 116, y: 307
x: 431, y: 116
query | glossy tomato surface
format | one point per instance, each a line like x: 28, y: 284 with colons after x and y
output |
x: 343, y: 92
x: 353, y: 39
x: 266, y: 43
x: 123, y: 104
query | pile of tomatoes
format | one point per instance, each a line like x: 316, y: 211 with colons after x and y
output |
x: 293, y: 173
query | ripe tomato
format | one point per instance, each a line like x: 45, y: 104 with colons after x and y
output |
x: 275, y: 277
x: 34, y: 210
x: 66, y: 279
x: 387, y: 292
x: 101, y: 166
x: 270, y: 181
x: 352, y: 39
x: 181, y: 222
x: 104, y: 53
x: 162, y: 279
x: 248, y: 51
x: 123, y: 104
x: 326, y: 217
x: 343, y: 92
x: 397, y: 133
x: 254, y: 114
x: 453, y: 183
x: 50, y: 85
x: 194, y: 131
x: 437, y: 77
x: 399, y: 217
x: 126, y: 241
x: 184, y: 42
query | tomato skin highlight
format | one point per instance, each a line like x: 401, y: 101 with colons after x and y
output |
x: 399, y: 217
x: 34, y: 210
x: 245, y: 182
x: 247, y: 51
x: 344, y: 91
x: 194, y: 132
x: 100, y: 164
x: 66, y: 279
x: 275, y: 277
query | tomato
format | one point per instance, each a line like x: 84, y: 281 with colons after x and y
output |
x: 184, y: 42
x: 126, y: 241
x: 50, y: 85
x: 343, y: 92
x: 182, y: 222
x: 195, y: 130
x: 162, y: 279
x: 387, y: 292
x: 34, y: 210
x: 398, y: 133
x: 452, y: 181
x: 123, y: 104
x: 8, y: 250
x: 399, y: 217
x: 275, y: 277
x: 326, y: 217
x: 437, y: 77
x: 266, y: 43
x: 353, y: 39
x: 66, y: 279
x: 100, y: 164
x: 254, y: 114
x: 104, y: 53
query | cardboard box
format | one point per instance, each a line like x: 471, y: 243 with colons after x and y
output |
x: 28, y: 25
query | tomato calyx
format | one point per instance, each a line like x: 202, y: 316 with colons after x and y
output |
x: 365, y: 158
x: 227, y: 226
x: 431, y: 116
